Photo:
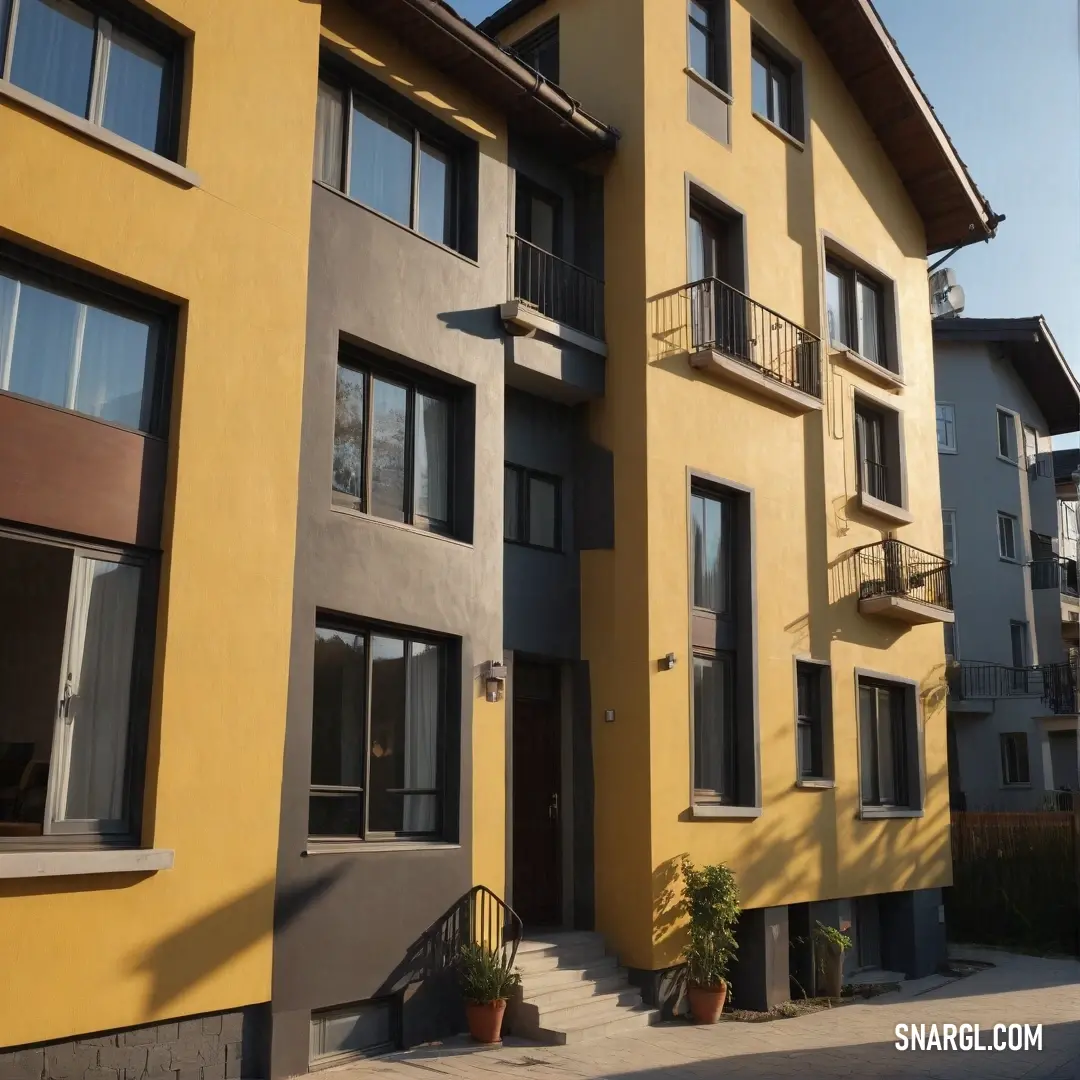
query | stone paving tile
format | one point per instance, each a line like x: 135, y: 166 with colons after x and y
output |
x: 851, y: 1041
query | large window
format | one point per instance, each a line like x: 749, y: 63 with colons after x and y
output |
x: 532, y: 507
x: 876, y: 478
x: 1006, y: 434
x: 1015, y: 768
x: 707, y: 40
x: 378, y: 734
x: 1007, y: 533
x: 855, y: 306
x: 540, y: 50
x: 715, y: 646
x: 946, y: 428
x: 887, y: 745
x: 393, y: 439
x: 812, y: 719
x: 406, y: 170
x: 75, y: 642
x: 772, y: 88
x: 119, y: 75
x: 79, y: 350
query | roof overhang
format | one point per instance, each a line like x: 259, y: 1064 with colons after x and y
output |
x: 536, y: 108
x: 866, y: 57
x: 1035, y: 356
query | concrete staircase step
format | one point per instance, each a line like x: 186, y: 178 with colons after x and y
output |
x: 564, y: 978
x: 560, y: 939
x: 623, y: 1021
x: 612, y: 991
x: 535, y: 961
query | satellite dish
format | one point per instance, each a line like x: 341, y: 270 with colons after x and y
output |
x: 946, y: 296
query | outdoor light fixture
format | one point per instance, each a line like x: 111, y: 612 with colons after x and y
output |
x: 494, y: 680
x: 668, y: 662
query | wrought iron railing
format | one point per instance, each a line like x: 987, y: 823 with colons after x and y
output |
x: 972, y: 679
x: 556, y: 288
x: 1062, y: 799
x: 1056, y: 573
x: 1059, y: 687
x: 479, y: 917
x: 729, y: 321
x: 893, y: 568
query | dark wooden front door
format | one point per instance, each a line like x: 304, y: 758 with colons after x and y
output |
x: 537, y: 796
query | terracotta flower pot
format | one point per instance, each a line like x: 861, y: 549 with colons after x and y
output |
x: 707, y: 1002
x: 485, y: 1020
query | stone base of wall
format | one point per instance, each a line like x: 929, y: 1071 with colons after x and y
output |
x: 216, y: 1046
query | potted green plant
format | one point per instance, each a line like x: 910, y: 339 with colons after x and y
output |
x: 712, y: 903
x: 487, y: 979
x: 830, y: 945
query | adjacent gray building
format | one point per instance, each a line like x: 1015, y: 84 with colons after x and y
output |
x: 1003, y: 391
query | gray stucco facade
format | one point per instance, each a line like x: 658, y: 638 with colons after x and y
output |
x: 1001, y: 619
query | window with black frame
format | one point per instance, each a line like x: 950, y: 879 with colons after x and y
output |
x: 706, y: 41
x: 870, y: 436
x: 773, y: 89
x: 715, y: 644
x: 378, y: 734
x: 408, y: 169
x: 811, y: 719
x: 1015, y: 767
x: 855, y: 306
x: 885, y: 745
x: 393, y: 446
x: 540, y: 50
x: 532, y: 508
x: 111, y: 65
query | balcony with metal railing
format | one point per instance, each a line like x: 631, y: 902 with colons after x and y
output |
x: 563, y: 295
x: 739, y: 341
x: 902, y: 582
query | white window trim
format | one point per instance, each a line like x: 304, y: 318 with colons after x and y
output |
x: 1014, y: 520
x: 955, y: 545
x: 947, y: 448
x: 998, y: 411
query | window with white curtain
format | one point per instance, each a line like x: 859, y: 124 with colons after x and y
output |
x: 111, y: 65
x: 406, y: 170
x: 67, y: 348
x: 74, y: 644
x: 377, y: 739
x: 393, y: 444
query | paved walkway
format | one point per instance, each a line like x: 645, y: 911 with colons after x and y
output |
x: 849, y: 1041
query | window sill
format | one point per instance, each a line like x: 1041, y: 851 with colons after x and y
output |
x: 815, y: 785
x: 1014, y: 462
x: 795, y: 141
x: 874, y: 813
x: 397, y: 224
x: 401, y: 526
x: 356, y: 847
x: 713, y: 812
x: 880, y: 374
x: 1016, y: 787
x: 946, y: 450
x: 718, y: 91
x: 100, y: 135
x: 35, y: 864
x: 891, y: 512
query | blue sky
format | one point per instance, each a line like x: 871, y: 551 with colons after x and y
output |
x: 1004, y: 77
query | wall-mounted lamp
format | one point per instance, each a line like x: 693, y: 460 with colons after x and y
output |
x: 494, y: 680
x: 668, y: 662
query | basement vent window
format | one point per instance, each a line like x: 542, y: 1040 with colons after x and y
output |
x: 352, y: 1031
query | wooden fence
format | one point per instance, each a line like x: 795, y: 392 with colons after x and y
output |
x: 1016, y: 880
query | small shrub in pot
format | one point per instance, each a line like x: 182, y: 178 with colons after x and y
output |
x: 830, y: 945
x: 711, y: 897
x: 487, y: 979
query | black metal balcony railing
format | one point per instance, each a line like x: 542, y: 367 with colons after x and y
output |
x: 727, y: 320
x: 1055, y: 573
x: 1059, y: 687
x: 556, y: 288
x: 893, y: 568
x: 971, y: 679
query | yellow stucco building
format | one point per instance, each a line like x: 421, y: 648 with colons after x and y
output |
x: 776, y: 566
